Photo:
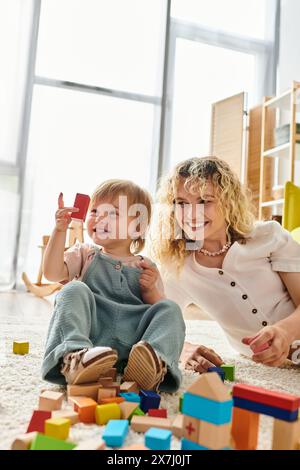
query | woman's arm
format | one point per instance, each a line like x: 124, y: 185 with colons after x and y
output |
x: 274, y: 341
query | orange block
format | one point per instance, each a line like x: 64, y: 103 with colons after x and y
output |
x: 245, y: 426
x: 112, y: 400
x: 85, y: 408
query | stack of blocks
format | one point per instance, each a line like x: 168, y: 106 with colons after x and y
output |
x: 207, y: 408
x: 249, y: 402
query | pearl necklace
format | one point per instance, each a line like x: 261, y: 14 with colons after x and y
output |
x: 216, y: 253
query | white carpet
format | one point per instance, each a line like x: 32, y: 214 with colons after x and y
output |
x: 20, y: 377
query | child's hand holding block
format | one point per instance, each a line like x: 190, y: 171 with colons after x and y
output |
x: 82, y: 202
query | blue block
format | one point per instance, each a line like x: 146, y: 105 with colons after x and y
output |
x: 115, y: 432
x: 207, y: 410
x: 149, y: 399
x: 158, y: 439
x: 190, y: 445
x: 130, y: 396
x: 279, y: 413
x: 219, y: 371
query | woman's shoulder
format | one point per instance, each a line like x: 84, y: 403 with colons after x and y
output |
x: 264, y: 229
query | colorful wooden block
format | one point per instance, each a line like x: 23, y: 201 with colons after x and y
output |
x: 177, y: 426
x: 149, y: 399
x: 50, y: 401
x: 37, y: 422
x: 136, y: 412
x: 229, y: 370
x: 127, y: 409
x: 278, y: 413
x: 111, y: 400
x: 158, y: 412
x: 190, y: 428
x: 190, y: 445
x: 215, y: 412
x: 68, y: 414
x: 129, y: 387
x: 158, y: 439
x: 104, y: 413
x: 180, y: 403
x: 42, y: 442
x: 245, y: 428
x: 85, y: 408
x: 212, y: 436
x: 23, y: 441
x: 58, y: 428
x: 85, y: 390
x: 21, y: 347
x: 130, y: 396
x: 209, y: 386
x: 114, y: 385
x: 143, y: 423
x: 106, y: 393
x: 81, y: 202
x: 115, y: 432
x: 286, y: 435
x: 91, y: 444
x: 105, y: 381
x: 219, y: 371
x: 285, y: 401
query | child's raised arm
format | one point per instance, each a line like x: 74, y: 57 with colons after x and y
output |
x: 54, y: 267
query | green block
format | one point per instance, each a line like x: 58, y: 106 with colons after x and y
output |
x: 42, y: 442
x: 229, y: 372
x: 180, y: 403
x: 137, y: 412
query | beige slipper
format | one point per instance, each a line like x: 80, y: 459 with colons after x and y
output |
x: 144, y: 367
x: 86, y: 365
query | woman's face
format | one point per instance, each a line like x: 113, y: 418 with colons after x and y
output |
x: 199, y: 218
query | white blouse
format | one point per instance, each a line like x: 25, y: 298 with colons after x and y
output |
x: 247, y: 293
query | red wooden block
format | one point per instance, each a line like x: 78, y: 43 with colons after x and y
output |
x: 266, y: 397
x: 158, y: 412
x: 37, y: 422
x: 82, y: 202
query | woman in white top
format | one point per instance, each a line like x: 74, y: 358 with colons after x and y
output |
x: 245, y: 274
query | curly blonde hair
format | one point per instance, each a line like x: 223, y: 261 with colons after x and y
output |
x: 234, y: 201
x: 136, y: 195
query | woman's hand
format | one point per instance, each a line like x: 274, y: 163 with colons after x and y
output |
x: 271, y: 346
x: 199, y: 358
x: 148, y: 283
x: 63, y: 215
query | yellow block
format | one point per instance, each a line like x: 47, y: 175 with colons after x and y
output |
x: 106, y: 412
x: 21, y: 347
x: 57, y: 427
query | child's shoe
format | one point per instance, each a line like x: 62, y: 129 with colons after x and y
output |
x: 87, y: 365
x: 145, y: 367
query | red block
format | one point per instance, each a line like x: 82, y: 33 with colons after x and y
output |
x: 157, y: 412
x: 266, y: 397
x: 37, y: 422
x: 82, y: 202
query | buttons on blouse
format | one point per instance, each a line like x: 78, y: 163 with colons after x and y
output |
x: 264, y: 323
x: 232, y: 283
x: 254, y: 311
x: 118, y: 266
x: 221, y: 272
x: 245, y: 296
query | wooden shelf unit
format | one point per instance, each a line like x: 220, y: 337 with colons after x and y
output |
x: 272, y: 111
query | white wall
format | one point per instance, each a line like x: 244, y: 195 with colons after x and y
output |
x: 289, y: 53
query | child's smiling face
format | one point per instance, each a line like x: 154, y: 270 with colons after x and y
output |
x: 108, y: 222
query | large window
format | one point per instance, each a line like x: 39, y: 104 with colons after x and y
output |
x: 217, y: 49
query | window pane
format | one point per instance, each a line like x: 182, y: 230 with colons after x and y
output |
x: 203, y: 75
x: 15, y: 18
x: 115, y: 44
x: 78, y: 140
x: 245, y: 17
